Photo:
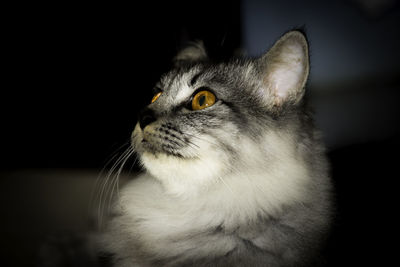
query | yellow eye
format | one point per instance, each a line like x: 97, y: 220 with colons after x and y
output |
x: 155, y: 97
x: 203, y: 99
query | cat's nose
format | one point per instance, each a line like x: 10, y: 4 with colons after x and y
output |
x: 146, y: 116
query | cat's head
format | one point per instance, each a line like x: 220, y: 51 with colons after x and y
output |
x: 208, y: 121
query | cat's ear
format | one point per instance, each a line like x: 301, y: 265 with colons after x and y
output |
x: 193, y: 53
x: 285, y: 68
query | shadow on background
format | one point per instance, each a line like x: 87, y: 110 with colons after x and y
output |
x: 77, y: 75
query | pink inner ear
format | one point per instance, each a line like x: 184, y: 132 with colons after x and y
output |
x: 288, y: 73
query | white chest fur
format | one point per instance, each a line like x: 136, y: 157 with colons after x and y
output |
x: 162, y: 223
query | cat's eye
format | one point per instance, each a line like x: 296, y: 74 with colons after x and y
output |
x: 203, y: 99
x: 155, y: 97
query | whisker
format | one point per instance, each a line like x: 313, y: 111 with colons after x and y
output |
x: 188, y: 142
x: 204, y: 140
x: 96, y: 196
x: 179, y: 138
x: 99, y: 177
x: 115, y: 181
x: 103, y: 190
x: 223, y: 181
x: 249, y: 181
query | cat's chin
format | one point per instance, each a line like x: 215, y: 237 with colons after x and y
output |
x: 180, y: 175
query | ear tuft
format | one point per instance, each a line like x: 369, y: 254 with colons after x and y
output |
x: 193, y: 53
x: 285, y: 69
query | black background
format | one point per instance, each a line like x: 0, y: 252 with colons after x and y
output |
x: 76, y: 75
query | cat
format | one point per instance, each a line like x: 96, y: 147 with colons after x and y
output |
x: 236, y: 174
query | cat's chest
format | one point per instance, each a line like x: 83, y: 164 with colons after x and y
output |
x: 148, y: 210
x: 161, y: 224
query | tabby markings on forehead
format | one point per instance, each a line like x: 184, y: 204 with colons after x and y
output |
x: 184, y: 90
x: 195, y: 78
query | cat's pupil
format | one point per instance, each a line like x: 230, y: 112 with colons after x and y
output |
x: 202, y: 99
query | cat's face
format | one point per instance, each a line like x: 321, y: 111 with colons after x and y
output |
x: 187, y: 142
x: 207, y: 121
